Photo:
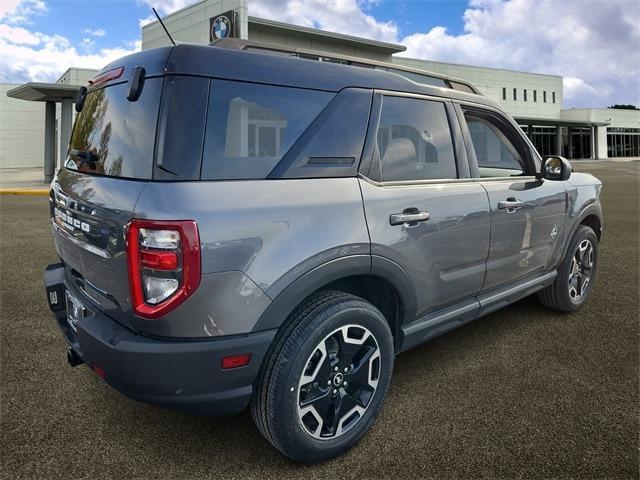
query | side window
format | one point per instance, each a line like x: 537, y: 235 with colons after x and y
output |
x: 496, y: 155
x: 250, y: 127
x: 414, y: 140
x: 181, y: 128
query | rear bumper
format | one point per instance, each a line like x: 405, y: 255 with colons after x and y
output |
x: 186, y: 375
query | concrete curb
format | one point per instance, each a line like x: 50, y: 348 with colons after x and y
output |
x: 24, y: 191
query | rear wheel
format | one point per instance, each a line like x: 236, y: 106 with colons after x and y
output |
x: 576, y: 273
x: 321, y: 387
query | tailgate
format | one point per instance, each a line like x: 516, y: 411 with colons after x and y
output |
x: 89, y: 217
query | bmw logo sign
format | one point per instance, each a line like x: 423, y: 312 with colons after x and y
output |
x: 221, y: 28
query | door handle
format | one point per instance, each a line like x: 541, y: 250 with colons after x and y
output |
x: 408, y: 217
x: 511, y: 204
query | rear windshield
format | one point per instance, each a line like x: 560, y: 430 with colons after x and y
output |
x: 115, y: 137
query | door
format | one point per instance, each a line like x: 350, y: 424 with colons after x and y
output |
x: 527, y: 213
x: 420, y: 213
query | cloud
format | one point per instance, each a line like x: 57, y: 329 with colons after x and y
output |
x: 594, y: 45
x: 87, y: 44
x: 98, y: 32
x: 344, y: 16
x: 33, y: 56
x: 19, y: 35
x: 165, y: 7
x: 19, y: 11
x: 22, y: 63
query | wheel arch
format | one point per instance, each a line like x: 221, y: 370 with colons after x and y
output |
x: 378, y: 280
x: 590, y: 216
x: 594, y: 222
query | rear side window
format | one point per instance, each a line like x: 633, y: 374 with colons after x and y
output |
x: 113, y: 136
x: 250, y: 127
x: 414, y: 140
x: 181, y: 128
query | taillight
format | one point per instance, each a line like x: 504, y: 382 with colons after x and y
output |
x: 164, y: 264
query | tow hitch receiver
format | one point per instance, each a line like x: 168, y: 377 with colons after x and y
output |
x: 73, y: 358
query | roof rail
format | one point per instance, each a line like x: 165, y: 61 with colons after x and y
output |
x: 412, y: 74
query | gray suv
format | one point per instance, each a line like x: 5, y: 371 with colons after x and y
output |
x: 239, y: 225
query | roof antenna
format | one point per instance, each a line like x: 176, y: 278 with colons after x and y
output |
x: 165, y: 28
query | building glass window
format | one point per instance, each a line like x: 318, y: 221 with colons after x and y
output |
x: 553, y: 96
x: 515, y: 94
x: 504, y: 93
x: 623, y: 142
x: 525, y: 94
x: 543, y: 138
x: 414, y: 140
x: 544, y: 96
x: 580, y: 143
x: 535, y: 95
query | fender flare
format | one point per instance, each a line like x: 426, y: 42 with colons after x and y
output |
x: 591, y: 209
x: 336, y: 269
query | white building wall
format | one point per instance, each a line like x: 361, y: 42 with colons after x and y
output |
x: 191, y: 24
x: 21, y: 131
x: 491, y: 81
x: 77, y: 76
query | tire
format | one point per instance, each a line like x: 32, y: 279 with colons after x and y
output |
x: 568, y: 292
x: 320, y: 335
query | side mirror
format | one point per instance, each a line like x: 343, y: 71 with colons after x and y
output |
x: 556, y: 168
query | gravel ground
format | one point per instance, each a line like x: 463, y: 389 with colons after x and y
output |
x: 524, y: 392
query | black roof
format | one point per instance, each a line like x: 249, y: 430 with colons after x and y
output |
x: 269, y: 68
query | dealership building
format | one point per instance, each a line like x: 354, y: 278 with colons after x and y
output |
x: 35, y: 118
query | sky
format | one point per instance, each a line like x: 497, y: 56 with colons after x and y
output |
x: 593, y: 44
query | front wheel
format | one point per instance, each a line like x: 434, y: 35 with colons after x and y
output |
x: 576, y: 273
x: 322, y: 385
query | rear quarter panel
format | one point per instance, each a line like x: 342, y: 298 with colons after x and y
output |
x: 256, y: 237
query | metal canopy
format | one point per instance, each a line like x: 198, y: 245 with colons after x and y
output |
x: 51, y: 93
x: 348, y: 40
x: 44, y: 92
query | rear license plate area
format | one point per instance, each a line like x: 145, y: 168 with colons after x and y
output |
x: 75, y: 311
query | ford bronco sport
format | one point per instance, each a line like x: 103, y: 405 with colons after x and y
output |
x: 238, y: 226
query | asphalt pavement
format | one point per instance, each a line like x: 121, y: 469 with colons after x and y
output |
x: 522, y: 393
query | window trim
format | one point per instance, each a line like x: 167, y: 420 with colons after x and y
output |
x: 371, y: 166
x: 515, y: 135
